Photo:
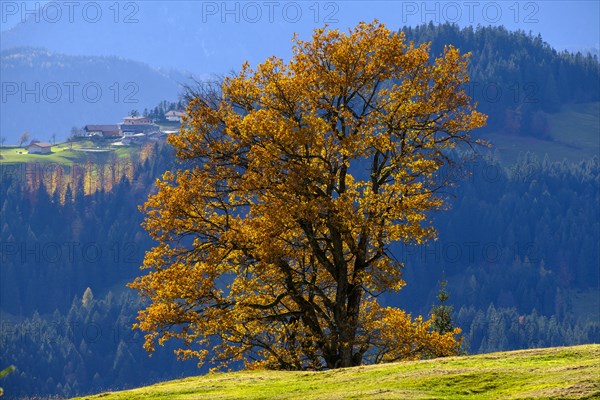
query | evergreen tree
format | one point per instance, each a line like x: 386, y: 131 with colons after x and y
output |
x: 442, y: 313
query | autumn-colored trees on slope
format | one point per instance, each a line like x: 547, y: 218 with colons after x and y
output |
x: 273, y: 236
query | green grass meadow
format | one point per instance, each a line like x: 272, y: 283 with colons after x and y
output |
x: 551, y: 373
x: 574, y: 131
x: 66, y: 154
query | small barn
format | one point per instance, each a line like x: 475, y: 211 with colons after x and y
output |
x: 36, y: 147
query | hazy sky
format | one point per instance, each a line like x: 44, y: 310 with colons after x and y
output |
x: 563, y: 24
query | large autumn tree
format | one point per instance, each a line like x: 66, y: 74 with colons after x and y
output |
x: 295, y: 178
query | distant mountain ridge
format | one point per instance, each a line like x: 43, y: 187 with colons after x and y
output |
x: 186, y: 35
x: 44, y: 92
x: 517, y: 78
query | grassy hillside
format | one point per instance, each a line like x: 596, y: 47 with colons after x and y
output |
x: 561, y: 373
x: 66, y: 154
x: 574, y: 131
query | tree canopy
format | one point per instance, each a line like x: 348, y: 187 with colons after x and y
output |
x: 273, y: 235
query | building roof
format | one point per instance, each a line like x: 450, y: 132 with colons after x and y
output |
x: 103, y: 128
x: 175, y: 112
x: 135, y: 118
x: 137, y: 128
x: 40, y: 144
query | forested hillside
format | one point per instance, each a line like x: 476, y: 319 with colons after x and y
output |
x: 520, y: 253
x: 516, y: 78
x: 66, y: 315
x: 57, y: 241
x: 518, y: 246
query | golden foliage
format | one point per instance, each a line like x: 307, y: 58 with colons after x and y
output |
x: 273, y: 237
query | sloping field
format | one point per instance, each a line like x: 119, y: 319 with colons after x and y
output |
x: 555, y: 373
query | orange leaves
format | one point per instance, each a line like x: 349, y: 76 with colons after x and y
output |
x: 273, y: 237
x: 399, y: 337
